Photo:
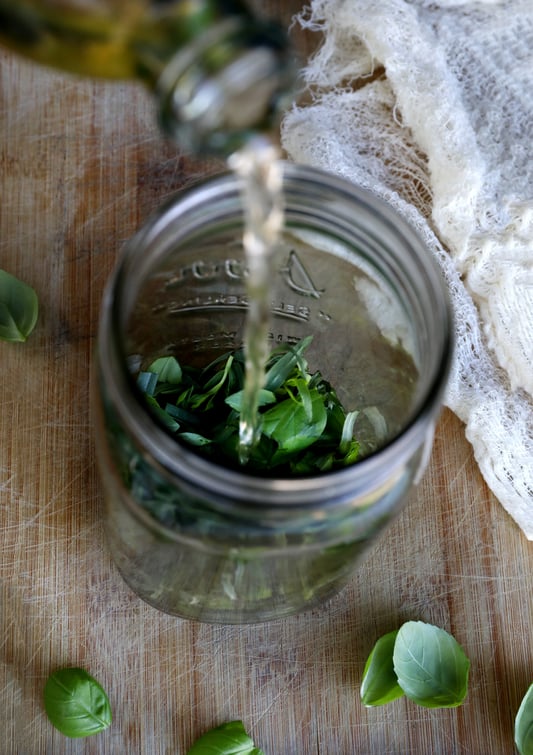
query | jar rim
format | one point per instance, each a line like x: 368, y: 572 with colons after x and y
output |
x: 173, y: 458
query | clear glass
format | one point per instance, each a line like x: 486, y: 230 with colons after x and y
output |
x: 197, y: 539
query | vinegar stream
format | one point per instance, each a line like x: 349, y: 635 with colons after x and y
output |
x: 260, y: 170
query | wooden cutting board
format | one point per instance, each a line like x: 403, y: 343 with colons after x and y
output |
x: 81, y: 166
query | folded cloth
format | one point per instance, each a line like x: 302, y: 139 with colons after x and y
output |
x: 430, y: 106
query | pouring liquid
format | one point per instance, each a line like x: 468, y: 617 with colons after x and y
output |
x: 258, y: 166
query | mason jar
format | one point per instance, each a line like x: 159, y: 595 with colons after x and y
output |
x: 202, y: 540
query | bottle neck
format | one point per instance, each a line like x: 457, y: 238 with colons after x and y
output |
x: 220, y: 73
x: 230, y: 82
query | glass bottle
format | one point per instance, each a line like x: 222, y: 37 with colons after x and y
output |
x: 218, y: 70
x: 196, y: 538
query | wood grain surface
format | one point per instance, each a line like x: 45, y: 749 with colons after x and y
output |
x: 81, y: 166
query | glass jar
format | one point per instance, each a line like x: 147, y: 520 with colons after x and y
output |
x: 218, y: 70
x: 195, y: 538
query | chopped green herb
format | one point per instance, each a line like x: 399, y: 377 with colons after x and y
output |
x: 19, y: 308
x: 304, y: 428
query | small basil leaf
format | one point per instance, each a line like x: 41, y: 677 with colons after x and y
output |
x: 227, y: 739
x: 167, y: 369
x: 19, y: 308
x: 161, y: 414
x: 289, y: 424
x: 380, y: 684
x: 523, y: 727
x: 195, y: 439
x: 431, y: 666
x: 182, y: 415
x: 284, y: 365
x: 75, y: 703
x: 265, y: 398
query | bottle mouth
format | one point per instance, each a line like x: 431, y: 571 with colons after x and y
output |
x: 231, y: 83
x: 326, y: 204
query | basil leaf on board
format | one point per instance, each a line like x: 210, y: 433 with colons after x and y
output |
x: 431, y: 666
x: 227, y: 739
x: 19, y: 308
x: 76, y: 703
x: 380, y: 683
x: 523, y: 726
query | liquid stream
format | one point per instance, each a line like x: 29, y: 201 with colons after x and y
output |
x: 258, y: 166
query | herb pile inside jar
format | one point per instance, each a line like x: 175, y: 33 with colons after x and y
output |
x: 304, y: 428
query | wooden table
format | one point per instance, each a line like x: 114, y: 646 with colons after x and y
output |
x: 81, y: 166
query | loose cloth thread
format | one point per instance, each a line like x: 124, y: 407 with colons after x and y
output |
x: 430, y: 106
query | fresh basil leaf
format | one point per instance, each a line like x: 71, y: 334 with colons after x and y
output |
x: 182, y: 415
x: 194, y: 439
x: 290, y: 425
x: 523, y: 726
x: 213, y: 386
x: 161, y: 414
x: 227, y: 739
x: 75, y: 703
x: 431, y: 666
x: 352, y: 454
x: 19, y: 308
x: 303, y: 427
x: 167, y: 369
x: 282, y: 366
x: 264, y: 398
x: 380, y: 683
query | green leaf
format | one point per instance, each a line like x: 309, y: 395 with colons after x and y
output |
x: 167, y: 369
x: 75, y: 703
x: 162, y: 415
x: 19, y: 308
x: 523, y: 726
x: 265, y: 398
x: 213, y: 386
x: 147, y: 382
x: 303, y: 427
x: 352, y: 453
x: 227, y: 739
x: 304, y: 395
x: 195, y: 439
x: 291, y: 426
x: 431, y: 667
x: 182, y: 415
x: 380, y: 683
x: 284, y: 365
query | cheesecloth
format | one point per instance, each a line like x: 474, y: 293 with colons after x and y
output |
x: 430, y: 106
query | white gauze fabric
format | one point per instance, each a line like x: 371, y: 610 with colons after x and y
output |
x: 430, y: 106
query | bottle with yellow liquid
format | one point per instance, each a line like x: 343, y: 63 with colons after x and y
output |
x: 218, y: 70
